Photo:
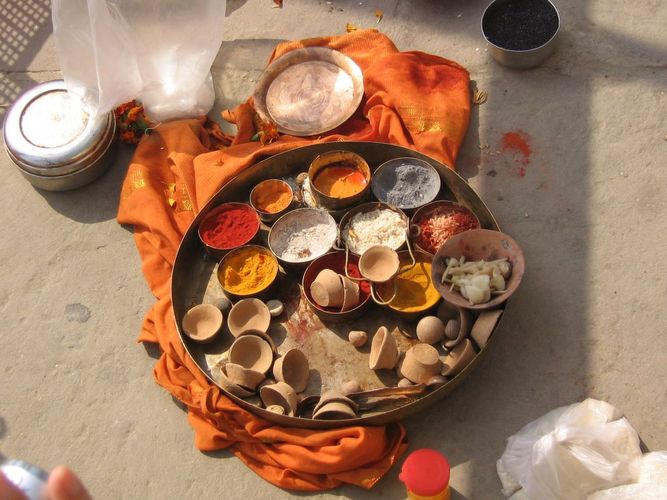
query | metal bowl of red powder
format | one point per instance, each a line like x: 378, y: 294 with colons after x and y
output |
x: 433, y: 224
x: 228, y: 226
x: 336, y: 262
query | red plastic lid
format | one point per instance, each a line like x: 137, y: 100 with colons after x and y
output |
x: 425, y: 472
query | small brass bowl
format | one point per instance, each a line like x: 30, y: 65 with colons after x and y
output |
x: 275, y: 185
x: 385, y: 290
x: 369, y: 207
x: 391, y: 175
x: 336, y: 262
x: 428, y: 210
x: 219, y: 252
x: 301, y: 219
x: 224, y: 265
x: 338, y: 158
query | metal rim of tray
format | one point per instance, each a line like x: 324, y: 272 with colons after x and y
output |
x: 284, y: 164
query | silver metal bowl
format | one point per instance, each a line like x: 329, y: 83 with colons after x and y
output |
x: 519, y: 59
x: 54, y: 142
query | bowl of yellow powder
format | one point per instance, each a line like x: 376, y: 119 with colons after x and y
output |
x: 415, y: 291
x: 248, y: 271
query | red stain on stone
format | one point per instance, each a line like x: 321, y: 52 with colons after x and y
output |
x: 517, y: 142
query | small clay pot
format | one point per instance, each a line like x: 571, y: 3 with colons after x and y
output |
x: 457, y: 328
x: 334, y: 397
x: 484, y: 325
x: 248, y: 314
x: 379, y: 264
x: 421, y: 362
x: 249, y: 379
x: 251, y: 352
x: 458, y: 358
x: 265, y: 336
x: 219, y: 374
x: 202, y: 323
x: 280, y: 394
x: 327, y: 289
x: 334, y: 410
x: 350, y: 294
x: 430, y: 330
x: 292, y: 368
x: 384, y: 350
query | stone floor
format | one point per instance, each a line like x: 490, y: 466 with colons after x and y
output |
x: 589, y: 210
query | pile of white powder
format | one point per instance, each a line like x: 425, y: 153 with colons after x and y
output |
x: 376, y: 227
x: 303, y: 238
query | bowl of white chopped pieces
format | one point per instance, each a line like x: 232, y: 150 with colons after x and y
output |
x: 478, y: 269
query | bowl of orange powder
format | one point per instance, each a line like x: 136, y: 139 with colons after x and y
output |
x: 339, y: 179
x: 271, y: 198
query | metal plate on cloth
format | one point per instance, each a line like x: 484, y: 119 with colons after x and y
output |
x: 332, y: 359
x: 309, y: 91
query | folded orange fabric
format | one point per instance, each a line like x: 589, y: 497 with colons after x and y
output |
x: 412, y: 99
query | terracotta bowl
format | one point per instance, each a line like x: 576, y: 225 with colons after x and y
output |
x: 384, y: 350
x: 202, y: 322
x: 245, y: 377
x: 479, y: 244
x: 280, y: 394
x: 292, y: 368
x: 421, y: 362
x: 336, y: 262
x: 458, y: 358
x: 251, y: 352
x: 327, y: 289
x: 427, y: 210
x: 248, y: 314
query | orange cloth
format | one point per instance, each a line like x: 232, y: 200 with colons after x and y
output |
x: 412, y: 99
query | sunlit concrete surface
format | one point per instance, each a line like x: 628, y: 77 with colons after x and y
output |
x: 589, y: 210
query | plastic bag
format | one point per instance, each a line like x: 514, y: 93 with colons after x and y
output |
x: 570, y: 453
x: 652, y: 483
x: 157, y: 51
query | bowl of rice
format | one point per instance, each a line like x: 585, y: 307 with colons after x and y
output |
x: 371, y: 224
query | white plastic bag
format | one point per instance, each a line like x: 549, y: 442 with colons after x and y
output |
x: 570, y: 453
x: 652, y: 483
x: 157, y: 51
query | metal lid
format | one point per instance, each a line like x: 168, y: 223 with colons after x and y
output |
x: 48, y: 131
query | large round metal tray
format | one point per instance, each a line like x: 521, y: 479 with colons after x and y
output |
x: 333, y: 360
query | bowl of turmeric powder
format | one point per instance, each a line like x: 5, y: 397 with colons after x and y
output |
x: 248, y: 271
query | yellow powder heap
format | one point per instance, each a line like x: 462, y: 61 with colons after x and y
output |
x: 248, y: 271
x: 414, y: 288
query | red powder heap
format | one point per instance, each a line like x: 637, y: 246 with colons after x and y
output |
x: 229, y: 226
x: 441, y: 224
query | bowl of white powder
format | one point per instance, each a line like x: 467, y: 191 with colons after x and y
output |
x: 406, y: 183
x: 372, y: 224
x: 302, y: 235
